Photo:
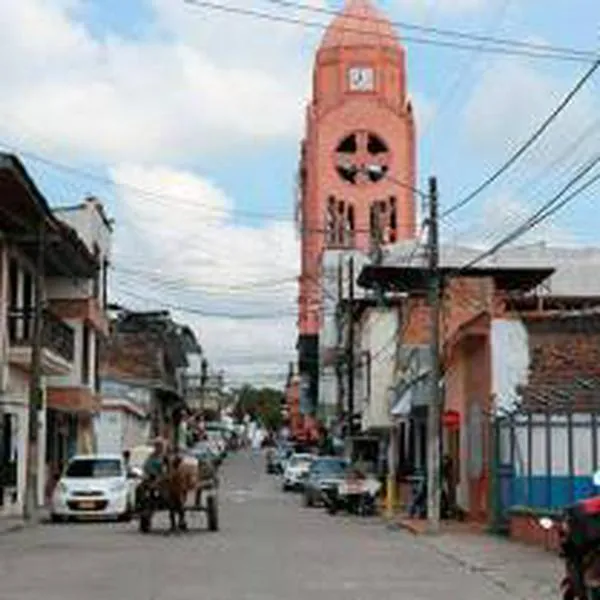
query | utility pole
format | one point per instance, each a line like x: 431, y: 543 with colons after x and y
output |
x: 35, y: 385
x: 434, y: 417
x: 350, y: 359
x: 339, y: 324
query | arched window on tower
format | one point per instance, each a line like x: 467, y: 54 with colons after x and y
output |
x: 350, y: 225
x: 340, y: 225
x: 393, y: 235
x: 330, y: 221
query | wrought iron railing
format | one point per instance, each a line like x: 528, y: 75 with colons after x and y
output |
x: 57, y: 335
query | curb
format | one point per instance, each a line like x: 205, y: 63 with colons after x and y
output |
x: 6, y: 528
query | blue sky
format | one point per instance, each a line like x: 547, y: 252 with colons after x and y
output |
x: 204, y: 109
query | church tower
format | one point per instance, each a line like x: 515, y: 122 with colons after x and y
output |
x: 357, y: 163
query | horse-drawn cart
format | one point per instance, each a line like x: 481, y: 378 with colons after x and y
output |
x: 188, y: 485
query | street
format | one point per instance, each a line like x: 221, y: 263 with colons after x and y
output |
x: 269, y: 547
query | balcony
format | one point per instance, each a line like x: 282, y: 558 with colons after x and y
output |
x: 58, y: 342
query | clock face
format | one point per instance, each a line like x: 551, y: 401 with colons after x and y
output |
x: 361, y: 79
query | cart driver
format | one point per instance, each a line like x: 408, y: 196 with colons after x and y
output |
x: 153, y: 467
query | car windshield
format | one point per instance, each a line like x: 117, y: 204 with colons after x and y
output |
x: 329, y: 466
x: 95, y: 468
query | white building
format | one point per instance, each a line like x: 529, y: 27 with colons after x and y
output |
x: 72, y: 301
x: 124, y: 421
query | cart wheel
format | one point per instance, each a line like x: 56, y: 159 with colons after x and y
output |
x: 212, y: 513
x: 145, y: 522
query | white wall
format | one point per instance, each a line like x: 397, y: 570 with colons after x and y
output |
x: 109, y: 433
x: 119, y: 429
x: 16, y: 402
x: 88, y: 223
x: 61, y: 288
x: 327, y: 387
x: 379, y: 325
x: 93, y: 231
x: 510, y: 360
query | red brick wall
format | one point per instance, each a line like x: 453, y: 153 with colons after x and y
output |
x: 525, y: 528
x: 563, y: 349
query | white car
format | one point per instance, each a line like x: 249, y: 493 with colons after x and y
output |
x: 296, y: 469
x: 94, y: 486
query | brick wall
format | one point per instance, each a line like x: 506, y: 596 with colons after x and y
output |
x: 525, y: 528
x: 565, y: 362
x: 131, y: 355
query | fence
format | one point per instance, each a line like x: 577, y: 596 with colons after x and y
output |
x: 543, y: 460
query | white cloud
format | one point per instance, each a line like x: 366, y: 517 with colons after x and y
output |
x: 512, y: 99
x: 165, y: 97
x: 500, y: 216
x: 426, y: 7
x: 207, y: 262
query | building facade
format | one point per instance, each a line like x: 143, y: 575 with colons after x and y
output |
x: 42, y: 257
x: 519, y: 342
x: 145, y: 351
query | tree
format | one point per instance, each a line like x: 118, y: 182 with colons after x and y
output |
x: 261, y: 403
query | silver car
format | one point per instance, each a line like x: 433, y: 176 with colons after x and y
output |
x: 325, y: 472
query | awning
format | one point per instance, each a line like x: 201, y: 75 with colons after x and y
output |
x: 411, y: 394
x: 403, y: 404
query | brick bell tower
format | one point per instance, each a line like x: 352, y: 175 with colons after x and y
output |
x: 357, y: 162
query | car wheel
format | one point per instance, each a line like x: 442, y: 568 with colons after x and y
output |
x: 126, y: 516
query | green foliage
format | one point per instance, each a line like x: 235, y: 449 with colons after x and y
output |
x: 262, y: 403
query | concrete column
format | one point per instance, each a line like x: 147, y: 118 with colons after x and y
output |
x: 41, y: 449
x: 391, y: 489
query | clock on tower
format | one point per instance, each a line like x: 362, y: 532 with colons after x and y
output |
x: 361, y: 79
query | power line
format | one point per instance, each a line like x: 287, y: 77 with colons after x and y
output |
x: 524, y: 147
x: 574, y: 52
x: 105, y: 180
x: 538, y: 181
x: 545, y: 211
x: 267, y: 16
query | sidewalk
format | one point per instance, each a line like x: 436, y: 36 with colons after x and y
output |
x: 526, y: 573
x: 16, y: 523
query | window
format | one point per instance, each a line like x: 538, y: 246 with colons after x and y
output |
x: 340, y: 222
x: 362, y: 157
x: 104, y: 283
x: 89, y: 468
x: 28, y: 304
x: 393, y: 235
x: 13, y: 287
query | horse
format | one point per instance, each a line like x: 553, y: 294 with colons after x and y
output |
x: 184, y: 475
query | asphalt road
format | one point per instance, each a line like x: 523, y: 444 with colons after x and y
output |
x: 268, y: 548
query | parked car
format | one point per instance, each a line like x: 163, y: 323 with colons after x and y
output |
x: 325, y: 472
x: 94, y: 486
x: 295, y: 471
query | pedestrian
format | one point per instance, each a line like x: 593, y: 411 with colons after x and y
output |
x: 127, y: 460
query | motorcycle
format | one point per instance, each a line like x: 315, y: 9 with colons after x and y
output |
x: 579, y: 541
